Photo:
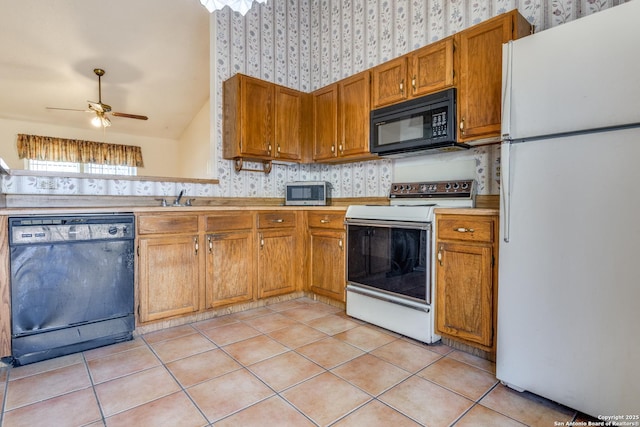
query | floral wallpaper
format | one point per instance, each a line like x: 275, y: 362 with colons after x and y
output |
x: 308, y: 44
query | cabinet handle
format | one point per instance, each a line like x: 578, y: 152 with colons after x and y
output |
x: 341, y: 149
x: 464, y: 230
x: 278, y: 150
x: 269, y: 148
x: 325, y: 221
x: 440, y: 255
x: 462, y: 125
x: 402, y: 86
x: 261, y: 241
x: 195, y: 241
x: 413, y: 84
x: 340, y: 245
x: 333, y: 148
x: 278, y: 221
x: 210, y: 240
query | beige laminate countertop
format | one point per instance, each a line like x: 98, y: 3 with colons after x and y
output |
x: 467, y: 211
x: 158, y: 209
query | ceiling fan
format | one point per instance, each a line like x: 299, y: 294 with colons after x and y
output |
x: 101, y: 109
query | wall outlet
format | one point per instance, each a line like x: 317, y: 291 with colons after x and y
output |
x: 46, y: 183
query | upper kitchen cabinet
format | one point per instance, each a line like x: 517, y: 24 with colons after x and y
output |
x: 341, y: 120
x: 262, y: 120
x: 479, y: 74
x: 426, y: 70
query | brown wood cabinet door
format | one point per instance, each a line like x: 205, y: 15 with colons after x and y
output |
x: 277, y: 262
x: 257, y: 111
x: 288, y: 124
x: 354, y: 109
x: 464, y: 306
x: 325, y: 123
x: 431, y: 67
x: 230, y: 272
x: 480, y: 78
x: 327, y: 263
x: 169, y: 276
x: 388, y: 82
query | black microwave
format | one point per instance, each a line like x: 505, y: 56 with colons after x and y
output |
x: 420, y: 125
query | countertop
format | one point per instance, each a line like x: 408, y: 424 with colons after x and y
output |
x: 467, y: 211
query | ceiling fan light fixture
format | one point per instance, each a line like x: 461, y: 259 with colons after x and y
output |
x: 100, y: 121
x: 241, y: 6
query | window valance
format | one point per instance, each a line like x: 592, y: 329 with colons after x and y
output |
x: 78, y: 151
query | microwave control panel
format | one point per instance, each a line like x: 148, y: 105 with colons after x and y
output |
x: 439, y: 124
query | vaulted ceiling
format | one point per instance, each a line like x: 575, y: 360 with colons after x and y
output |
x: 155, y: 54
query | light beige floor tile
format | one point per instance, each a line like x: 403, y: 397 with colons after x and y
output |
x: 481, y: 416
x: 285, y: 370
x: 121, y: 364
x: 136, y: 389
x: 365, y: 337
x: 406, y: 355
x: 273, y: 411
x: 271, y: 322
x: 329, y: 352
x: 526, y: 407
x: 476, y: 361
x: 297, y: 335
x: 73, y: 409
x: 426, y: 402
x: 202, y: 367
x: 45, y: 365
x: 34, y: 388
x: 225, y: 395
x: 332, y: 324
x: 214, y: 322
x: 371, y: 374
x: 304, y: 314
x: 114, y: 348
x: 169, y: 333
x: 376, y: 414
x: 250, y: 314
x: 287, y: 305
x: 230, y: 333
x: 179, y: 348
x: 326, y: 398
x: 254, y: 349
x: 169, y: 411
x: 464, y: 379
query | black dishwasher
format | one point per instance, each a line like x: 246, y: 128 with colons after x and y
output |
x: 72, y: 280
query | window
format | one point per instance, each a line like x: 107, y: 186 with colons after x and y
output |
x: 49, y: 166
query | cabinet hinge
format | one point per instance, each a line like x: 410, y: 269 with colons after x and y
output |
x: 138, y: 250
x: 138, y: 310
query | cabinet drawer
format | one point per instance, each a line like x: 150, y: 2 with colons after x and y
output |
x: 326, y: 220
x: 276, y: 219
x: 161, y: 224
x: 470, y: 229
x: 228, y: 222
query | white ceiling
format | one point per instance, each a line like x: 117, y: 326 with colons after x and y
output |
x: 155, y: 54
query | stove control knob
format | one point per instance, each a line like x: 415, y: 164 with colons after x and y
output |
x: 447, y: 186
x: 395, y: 188
x: 424, y: 188
x: 456, y: 186
x: 465, y: 185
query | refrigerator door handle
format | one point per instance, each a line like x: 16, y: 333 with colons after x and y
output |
x: 505, y: 187
x: 507, y: 67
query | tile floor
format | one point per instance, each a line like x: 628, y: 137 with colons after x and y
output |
x: 295, y: 363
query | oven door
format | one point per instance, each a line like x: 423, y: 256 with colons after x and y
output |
x: 390, y: 257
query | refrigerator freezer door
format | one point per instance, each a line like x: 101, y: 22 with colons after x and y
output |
x: 570, y: 274
x: 579, y: 75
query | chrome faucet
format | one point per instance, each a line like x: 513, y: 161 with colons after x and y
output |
x: 177, y: 201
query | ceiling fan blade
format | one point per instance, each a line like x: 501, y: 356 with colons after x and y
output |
x: 130, y: 116
x: 67, y: 109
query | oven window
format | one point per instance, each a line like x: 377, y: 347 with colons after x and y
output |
x: 390, y: 259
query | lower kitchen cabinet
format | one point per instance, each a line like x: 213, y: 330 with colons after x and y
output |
x: 169, y: 276
x: 230, y: 275
x: 466, y: 278
x: 279, y: 262
x: 326, y: 255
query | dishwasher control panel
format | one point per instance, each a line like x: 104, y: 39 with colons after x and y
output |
x: 30, y: 230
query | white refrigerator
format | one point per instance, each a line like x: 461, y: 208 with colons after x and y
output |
x: 569, y: 266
